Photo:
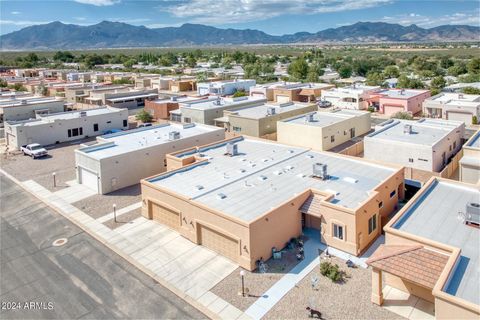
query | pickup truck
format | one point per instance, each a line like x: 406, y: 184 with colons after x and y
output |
x: 34, y: 150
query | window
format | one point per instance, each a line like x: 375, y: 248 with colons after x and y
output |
x: 425, y: 160
x: 338, y: 231
x: 454, y: 144
x: 380, y: 205
x: 450, y: 148
x: 187, y: 120
x: 393, y: 193
x: 372, y: 224
x: 332, y: 139
x: 352, y: 132
x: 410, y: 159
x: 125, y: 123
x: 109, y: 121
x: 81, y: 131
x: 237, y: 129
x: 95, y: 127
x: 75, y: 132
x: 69, y: 133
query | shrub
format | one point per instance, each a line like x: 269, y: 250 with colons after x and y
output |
x: 402, y: 115
x: 371, y: 109
x: 474, y: 120
x: 239, y: 93
x: 144, y: 116
x: 331, y: 271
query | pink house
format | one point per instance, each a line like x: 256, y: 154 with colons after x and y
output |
x: 391, y: 101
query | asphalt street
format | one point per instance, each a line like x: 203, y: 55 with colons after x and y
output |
x: 81, y: 279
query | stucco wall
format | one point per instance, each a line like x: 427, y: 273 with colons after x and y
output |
x: 25, y: 112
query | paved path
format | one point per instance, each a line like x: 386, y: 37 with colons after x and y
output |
x: 187, y: 269
x: 81, y: 279
x: 273, y: 295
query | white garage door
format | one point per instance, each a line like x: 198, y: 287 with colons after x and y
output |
x: 219, y: 242
x: 283, y: 99
x: 89, y: 179
x: 460, y: 116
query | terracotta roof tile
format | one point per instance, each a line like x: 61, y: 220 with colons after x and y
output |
x: 413, y: 263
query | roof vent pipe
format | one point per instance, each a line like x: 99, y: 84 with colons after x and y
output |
x: 407, y: 129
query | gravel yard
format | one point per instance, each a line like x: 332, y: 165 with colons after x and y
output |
x: 99, y: 205
x: 257, y: 283
x: 124, y: 219
x: 347, y: 300
x: 60, y: 159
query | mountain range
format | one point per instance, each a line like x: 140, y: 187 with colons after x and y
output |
x: 106, y: 34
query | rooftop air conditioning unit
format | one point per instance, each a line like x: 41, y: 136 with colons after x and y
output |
x: 309, y: 117
x: 473, y: 213
x: 271, y: 111
x: 232, y: 149
x: 83, y: 113
x: 320, y: 171
x: 174, y: 98
x: 174, y: 135
x: 23, y: 102
x: 407, y: 129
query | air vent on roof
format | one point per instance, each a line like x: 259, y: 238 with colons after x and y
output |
x: 473, y: 213
x: 83, y: 113
x: 460, y: 96
x: 23, y: 102
x: 217, y: 102
x: 407, y: 129
x: 232, y: 149
x: 262, y: 178
x: 174, y: 135
x: 174, y: 98
x: 320, y: 171
x: 221, y: 196
x: 271, y: 111
x: 402, y: 92
x: 199, y: 187
x: 309, y: 117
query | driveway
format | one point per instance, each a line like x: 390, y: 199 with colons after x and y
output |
x: 81, y: 279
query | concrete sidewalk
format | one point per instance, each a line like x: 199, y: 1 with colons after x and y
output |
x: 187, y: 269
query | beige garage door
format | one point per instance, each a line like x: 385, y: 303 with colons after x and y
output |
x: 218, y: 242
x: 165, y: 216
x: 283, y: 99
x: 460, y: 116
x: 391, y: 110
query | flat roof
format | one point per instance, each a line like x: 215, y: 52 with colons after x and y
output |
x: 261, y: 111
x: 131, y: 140
x: 424, y: 131
x: 401, y: 93
x: 358, y: 89
x: 266, y: 174
x: 446, y: 97
x: 323, y: 119
x: 435, y: 216
x: 221, y: 103
x: 65, y: 116
x: 27, y: 101
x: 135, y: 96
x: 474, y: 141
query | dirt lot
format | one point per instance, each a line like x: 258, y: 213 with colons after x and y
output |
x: 124, y: 219
x: 99, y: 205
x: 257, y: 283
x: 60, y: 159
x: 347, y: 300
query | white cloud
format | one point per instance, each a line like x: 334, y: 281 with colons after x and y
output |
x: 127, y: 20
x: 429, y: 22
x: 230, y: 11
x: 162, y: 25
x: 21, y: 22
x: 98, y: 3
x: 80, y: 18
x: 15, y: 12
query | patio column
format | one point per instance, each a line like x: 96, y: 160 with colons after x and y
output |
x: 377, y: 292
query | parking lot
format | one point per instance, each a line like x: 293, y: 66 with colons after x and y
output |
x: 60, y: 159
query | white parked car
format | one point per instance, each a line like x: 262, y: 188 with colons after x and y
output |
x: 34, y: 150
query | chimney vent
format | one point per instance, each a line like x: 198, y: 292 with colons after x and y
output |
x: 271, y: 111
x: 174, y: 135
x: 407, y: 129
x: 309, y: 117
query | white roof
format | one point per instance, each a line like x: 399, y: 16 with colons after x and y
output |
x: 221, y: 103
x: 357, y: 89
x: 28, y: 101
x: 134, y: 96
x: 446, y: 97
x: 261, y: 111
x: 323, y: 119
x: 400, y: 93
x: 475, y: 141
x: 132, y: 140
x: 435, y: 216
x: 424, y: 132
x: 265, y: 174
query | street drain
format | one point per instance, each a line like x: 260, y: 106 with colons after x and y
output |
x: 59, y: 242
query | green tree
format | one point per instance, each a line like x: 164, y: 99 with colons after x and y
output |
x: 201, y: 77
x: 446, y: 62
x: 391, y: 72
x: 457, y: 69
x: 473, y: 66
x: 191, y: 61
x: 144, y: 116
x: 375, y: 79
x: 3, y: 83
x: 298, y: 68
x: 438, y: 82
x: 63, y: 56
x: 129, y: 63
x: 471, y: 90
x: 314, y: 71
x: 402, y: 115
x: 407, y: 83
x: 240, y: 93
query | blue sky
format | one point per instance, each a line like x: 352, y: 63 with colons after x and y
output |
x: 272, y: 16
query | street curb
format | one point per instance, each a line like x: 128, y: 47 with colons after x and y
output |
x: 203, y: 309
